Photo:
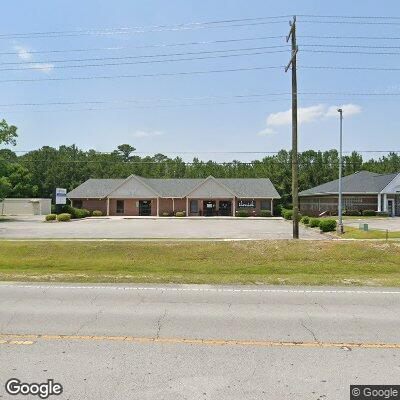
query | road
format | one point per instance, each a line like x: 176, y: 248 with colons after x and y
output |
x: 199, y: 342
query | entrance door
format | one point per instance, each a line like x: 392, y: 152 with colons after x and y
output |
x: 391, y: 209
x: 225, y: 208
x: 145, y: 207
x: 208, y: 208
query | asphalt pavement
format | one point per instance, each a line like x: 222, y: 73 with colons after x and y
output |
x: 199, y: 342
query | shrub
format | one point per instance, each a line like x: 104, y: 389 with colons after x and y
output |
x: 242, y: 213
x: 165, y: 214
x: 327, y: 225
x: 97, y: 213
x: 352, y: 213
x: 314, y: 222
x: 64, y: 217
x: 382, y: 214
x: 369, y: 213
x: 51, y: 217
x: 265, y: 213
x: 80, y: 213
x: 287, y: 214
x: 180, y: 214
x: 305, y: 220
x: 53, y: 209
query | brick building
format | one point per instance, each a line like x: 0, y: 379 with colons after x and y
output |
x: 136, y: 195
x: 361, y: 191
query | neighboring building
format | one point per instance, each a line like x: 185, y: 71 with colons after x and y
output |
x: 25, y: 207
x: 136, y: 195
x: 361, y: 191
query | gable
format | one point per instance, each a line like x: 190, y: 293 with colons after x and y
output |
x: 393, y: 186
x: 210, y: 188
x: 133, y: 188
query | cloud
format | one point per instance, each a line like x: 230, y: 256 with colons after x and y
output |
x: 267, y: 132
x: 23, y: 53
x: 147, y: 134
x: 311, y: 114
x: 348, y: 110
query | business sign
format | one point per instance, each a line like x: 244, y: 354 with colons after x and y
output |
x: 61, y: 196
x: 246, y: 203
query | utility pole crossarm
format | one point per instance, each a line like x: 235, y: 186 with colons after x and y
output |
x: 294, y: 54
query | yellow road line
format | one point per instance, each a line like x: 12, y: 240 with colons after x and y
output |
x: 31, y: 338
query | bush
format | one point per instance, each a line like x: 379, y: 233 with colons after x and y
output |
x: 80, y: 213
x: 51, y: 217
x: 382, y: 214
x: 180, y: 214
x: 369, y: 213
x: 327, y: 225
x: 287, y: 214
x: 305, y: 220
x: 242, y: 213
x: 97, y: 213
x: 352, y: 213
x: 64, y: 217
x: 265, y: 213
x: 314, y: 222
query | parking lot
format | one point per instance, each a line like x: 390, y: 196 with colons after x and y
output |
x: 152, y: 228
x: 392, y: 223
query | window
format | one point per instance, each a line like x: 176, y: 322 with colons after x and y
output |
x: 120, y: 206
x: 77, y: 203
x: 194, y: 206
x: 352, y: 203
x: 265, y: 205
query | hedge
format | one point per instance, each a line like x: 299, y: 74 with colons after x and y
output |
x: 369, y: 213
x: 314, y: 222
x: 97, y: 213
x: 65, y: 217
x: 180, y: 214
x: 242, y: 213
x: 352, y: 213
x: 382, y: 214
x: 80, y: 213
x: 265, y: 213
x: 51, y: 217
x: 327, y: 225
x: 287, y: 214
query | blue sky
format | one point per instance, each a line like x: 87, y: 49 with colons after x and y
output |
x: 201, y: 112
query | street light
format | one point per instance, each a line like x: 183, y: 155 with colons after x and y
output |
x: 340, y: 224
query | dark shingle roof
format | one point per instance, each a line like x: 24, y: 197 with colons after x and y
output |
x: 359, y: 183
x: 99, y: 188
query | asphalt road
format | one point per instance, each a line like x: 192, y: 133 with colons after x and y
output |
x: 199, y: 342
x: 150, y: 228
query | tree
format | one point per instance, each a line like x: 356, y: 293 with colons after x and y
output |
x: 8, y: 133
x: 126, y: 150
x: 5, y: 187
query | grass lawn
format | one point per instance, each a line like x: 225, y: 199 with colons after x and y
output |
x: 262, y: 262
x: 355, y: 233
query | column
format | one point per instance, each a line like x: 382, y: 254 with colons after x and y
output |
x: 108, y: 206
x: 272, y: 207
x: 234, y: 206
x: 187, y: 206
x: 173, y: 205
x: 158, y: 206
x: 385, y: 204
x: 379, y: 202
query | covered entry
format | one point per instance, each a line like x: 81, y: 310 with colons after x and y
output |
x: 209, y: 208
x: 144, y: 207
x: 225, y: 208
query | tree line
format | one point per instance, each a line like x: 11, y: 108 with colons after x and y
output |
x: 37, y: 173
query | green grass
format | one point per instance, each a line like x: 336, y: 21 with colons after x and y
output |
x: 262, y: 262
x: 355, y: 233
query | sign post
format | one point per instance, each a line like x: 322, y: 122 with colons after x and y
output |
x: 61, y: 199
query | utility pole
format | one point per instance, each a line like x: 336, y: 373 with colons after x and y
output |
x: 295, y: 168
x: 340, y: 224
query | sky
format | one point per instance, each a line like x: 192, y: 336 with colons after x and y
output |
x: 159, y: 90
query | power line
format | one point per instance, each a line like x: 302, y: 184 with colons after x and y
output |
x: 181, y: 73
x: 144, y: 46
x: 349, y: 22
x: 350, y: 37
x: 351, y: 52
x: 144, y: 55
x: 148, y: 29
x: 348, y: 16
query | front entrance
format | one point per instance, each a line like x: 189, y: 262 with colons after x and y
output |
x: 208, y: 208
x: 145, y: 207
x: 391, y: 210
x: 225, y: 208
